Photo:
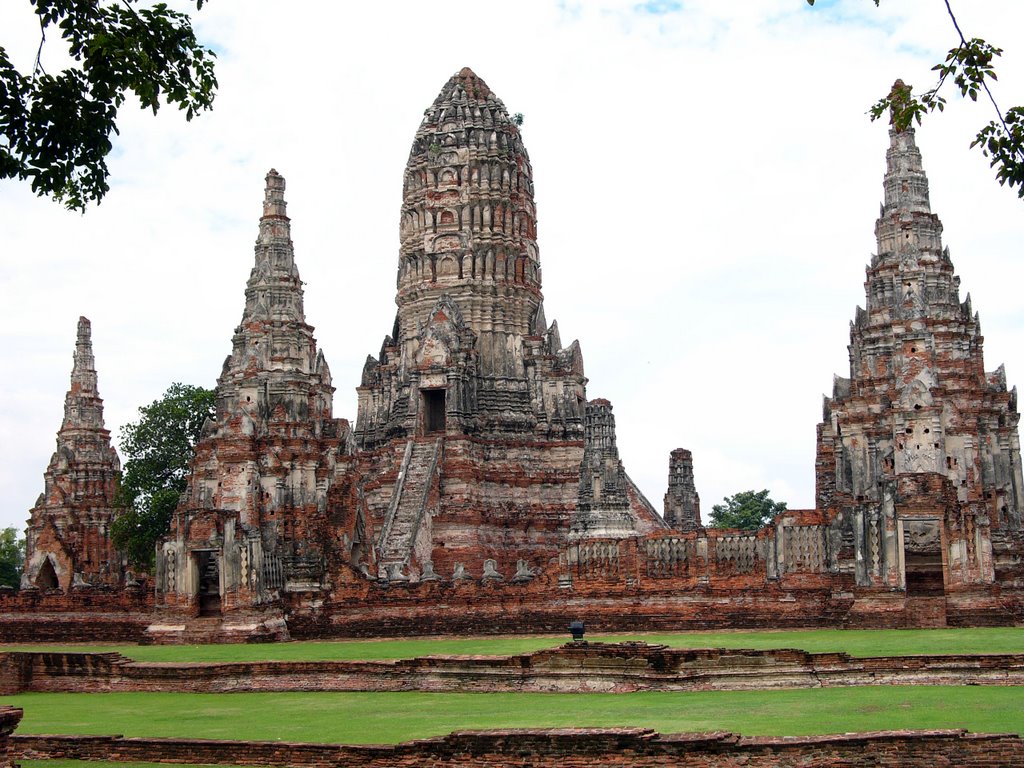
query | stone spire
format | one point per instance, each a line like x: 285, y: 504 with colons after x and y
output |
x: 468, y: 225
x: 470, y: 318
x: 682, y: 504
x: 259, y: 482
x: 918, y: 409
x: 68, y: 538
x: 274, y: 290
x: 603, y: 508
x: 274, y: 357
x: 906, y: 226
x: 83, y: 408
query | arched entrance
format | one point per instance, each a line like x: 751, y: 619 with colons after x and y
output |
x: 47, y: 576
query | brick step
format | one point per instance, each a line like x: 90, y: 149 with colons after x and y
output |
x: 925, y: 611
x: 208, y: 630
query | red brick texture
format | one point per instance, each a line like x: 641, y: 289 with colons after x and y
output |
x: 80, y: 615
x: 620, y: 667
x: 9, y: 719
x: 563, y: 748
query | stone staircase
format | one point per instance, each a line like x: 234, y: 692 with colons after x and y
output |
x: 416, y: 478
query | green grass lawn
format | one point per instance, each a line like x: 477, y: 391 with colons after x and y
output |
x: 392, y: 717
x: 899, y: 642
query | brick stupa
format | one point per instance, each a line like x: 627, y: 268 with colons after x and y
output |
x: 918, y: 455
x: 68, y: 536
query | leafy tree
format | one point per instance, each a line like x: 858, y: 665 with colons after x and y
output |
x: 969, y: 66
x: 158, y: 449
x: 12, y: 557
x: 746, y: 510
x: 55, y: 128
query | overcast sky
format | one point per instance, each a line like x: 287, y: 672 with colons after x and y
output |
x: 707, y: 185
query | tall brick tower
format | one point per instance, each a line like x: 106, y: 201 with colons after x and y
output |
x: 253, y: 519
x: 68, y: 541
x: 918, y: 455
x: 471, y: 352
x: 473, y: 415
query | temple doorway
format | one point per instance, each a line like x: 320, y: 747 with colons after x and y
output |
x: 47, y: 577
x: 433, y: 410
x: 922, y: 557
x: 209, y: 583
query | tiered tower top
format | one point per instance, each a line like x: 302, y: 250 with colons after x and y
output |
x: 468, y: 225
x: 274, y: 359
x: 83, y: 408
x: 918, y: 400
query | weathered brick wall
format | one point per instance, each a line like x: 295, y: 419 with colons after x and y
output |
x: 564, y: 748
x: 623, y: 601
x: 627, y: 600
x: 9, y: 719
x: 620, y: 667
x: 79, y: 615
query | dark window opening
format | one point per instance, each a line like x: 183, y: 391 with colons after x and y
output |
x: 209, y: 583
x: 47, y: 578
x: 922, y: 552
x: 433, y: 410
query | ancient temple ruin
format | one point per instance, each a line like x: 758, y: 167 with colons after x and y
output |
x: 474, y: 416
x: 473, y: 423
x: 918, y: 454
x: 254, y: 517
x: 481, y: 491
x: 68, y: 535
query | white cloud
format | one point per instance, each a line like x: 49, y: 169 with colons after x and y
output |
x: 707, y: 184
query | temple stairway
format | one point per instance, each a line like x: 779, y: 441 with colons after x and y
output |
x: 416, y: 478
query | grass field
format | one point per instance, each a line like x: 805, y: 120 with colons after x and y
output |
x: 392, y: 717
x: 855, y: 642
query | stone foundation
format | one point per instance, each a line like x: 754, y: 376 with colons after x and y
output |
x: 79, y: 616
x: 622, y: 602
x: 574, y: 668
x: 561, y: 748
x: 9, y: 719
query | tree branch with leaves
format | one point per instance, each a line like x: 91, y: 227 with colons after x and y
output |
x: 55, y: 129
x: 746, y: 510
x: 158, y: 449
x: 969, y: 66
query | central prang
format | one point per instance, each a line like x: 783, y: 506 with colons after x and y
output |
x: 471, y: 351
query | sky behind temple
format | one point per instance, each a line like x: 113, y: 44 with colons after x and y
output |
x: 707, y: 184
